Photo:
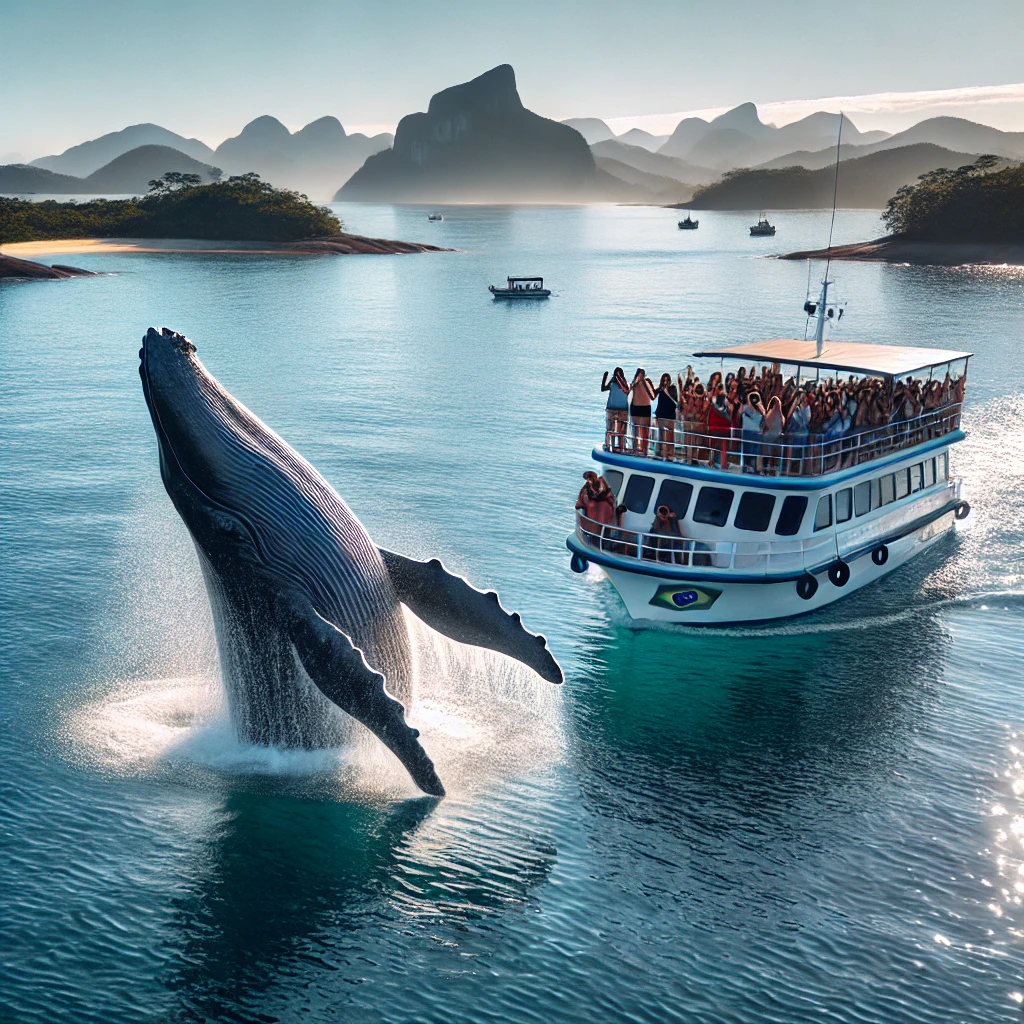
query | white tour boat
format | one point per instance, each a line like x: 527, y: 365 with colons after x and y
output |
x: 779, y: 529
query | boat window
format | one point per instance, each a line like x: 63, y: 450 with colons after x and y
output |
x: 676, y: 495
x: 887, y: 487
x: 791, y: 516
x: 902, y: 483
x: 916, y: 476
x: 862, y: 497
x: 638, y: 492
x: 754, y: 511
x: 942, y: 466
x: 929, y: 473
x: 614, y: 478
x: 713, y: 504
x: 823, y: 515
x: 844, y: 505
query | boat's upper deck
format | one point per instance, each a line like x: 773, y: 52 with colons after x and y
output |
x: 807, y: 413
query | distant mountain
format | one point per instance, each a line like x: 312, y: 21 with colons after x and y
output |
x: 960, y: 135
x: 478, y: 143
x: 593, y: 129
x: 316, y: 160
x: 738, y: 138
x: 645, y: 140
x: 133, y: 171
x: 19, y: 179
x: 83, y: 159
x: 660, y: 189
x: 864, y: 183
x: 128, y: 174
x: 652, y: 163
x: 953, y: 133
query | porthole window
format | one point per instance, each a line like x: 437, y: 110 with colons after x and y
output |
x: 844, y: 505
x: 791, y: 515
x: 614, y: 478
x: 754, y: 511
x: 676, y: 495
x: 638, y: 493
x: 713, y: 504
x: 823, y: 514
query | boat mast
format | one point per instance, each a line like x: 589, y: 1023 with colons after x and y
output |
x: 819, y: 332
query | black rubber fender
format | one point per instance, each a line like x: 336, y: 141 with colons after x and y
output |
x: 806, y: 586
x: 963, y: 510
x: 578, y: 563
x: 839, y: 573
x: 880, y: 555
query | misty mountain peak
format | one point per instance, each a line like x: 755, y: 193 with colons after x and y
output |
x: 493, y: 92
x: 264, y: 127
x: 743, y: 119
x: 322, y: 129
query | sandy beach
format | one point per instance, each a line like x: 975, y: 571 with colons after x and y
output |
x: 343, y: 245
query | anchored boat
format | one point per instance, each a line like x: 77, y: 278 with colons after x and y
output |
x: 689, y: 224
x: 521, y: 288
x: 435, y: 216
x: 762, y: 227
x: 763, y: 530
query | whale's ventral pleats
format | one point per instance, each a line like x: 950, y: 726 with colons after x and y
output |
x: 306, y: 608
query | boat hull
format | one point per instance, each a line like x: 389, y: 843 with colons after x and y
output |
x: 722, y: 602
x: 505, y: 293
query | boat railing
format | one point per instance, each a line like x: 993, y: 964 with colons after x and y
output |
x: 741, y: 451
x: 756, y: 557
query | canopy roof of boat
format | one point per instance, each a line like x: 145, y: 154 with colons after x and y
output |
x: 526, y: 279
x: 879, y: 360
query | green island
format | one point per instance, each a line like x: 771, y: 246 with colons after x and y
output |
x: 243, y: 209
x: 971, y: 214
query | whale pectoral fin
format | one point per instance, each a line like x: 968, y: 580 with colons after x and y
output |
x: 340, y: 671
x: 450, y: 605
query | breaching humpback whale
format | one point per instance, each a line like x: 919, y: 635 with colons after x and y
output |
x: 306, y: 607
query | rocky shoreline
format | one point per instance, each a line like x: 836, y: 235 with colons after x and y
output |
x: 892, y: 249
x: 12, y: 267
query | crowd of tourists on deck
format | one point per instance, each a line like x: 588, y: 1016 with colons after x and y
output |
x: 603, y: 521
x: 763, y: 423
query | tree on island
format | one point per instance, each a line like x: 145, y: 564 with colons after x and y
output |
x: 243, y: 208
x: 973, y: 203
x: 174, y: 180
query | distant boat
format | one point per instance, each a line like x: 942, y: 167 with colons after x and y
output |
x: 435, y: 216
x: 689, y: 224
x: 521, y: 288
x: 762, y: 227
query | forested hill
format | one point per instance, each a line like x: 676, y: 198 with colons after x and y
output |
x: 243, y: 208
x: 973, y: 203
x: 865, y: 183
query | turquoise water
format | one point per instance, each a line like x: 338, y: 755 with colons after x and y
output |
x: 821, y: 820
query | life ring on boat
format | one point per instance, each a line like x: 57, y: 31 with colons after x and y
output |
x: 578, y: 563
x: 839, y: 573
x: 880, y: 555
x: 962, y: 511
x: 806, y: 586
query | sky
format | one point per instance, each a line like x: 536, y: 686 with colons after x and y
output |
x: 71, y: 71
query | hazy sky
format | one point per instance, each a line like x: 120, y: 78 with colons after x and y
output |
x: 70, y: 71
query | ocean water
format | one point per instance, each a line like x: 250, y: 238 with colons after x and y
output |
x: 817, y: 821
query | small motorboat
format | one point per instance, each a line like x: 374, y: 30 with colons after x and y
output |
x: 435, y: 216
x: 762, y: 227
x: 689, y: 224
x: 521, y: 288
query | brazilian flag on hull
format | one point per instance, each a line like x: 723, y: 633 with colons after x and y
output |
x: 680, y: 598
